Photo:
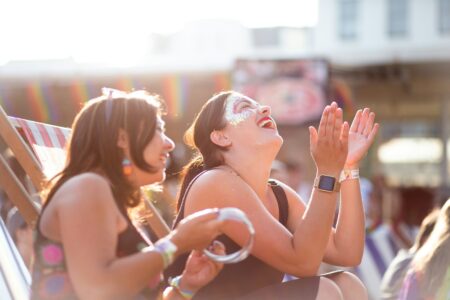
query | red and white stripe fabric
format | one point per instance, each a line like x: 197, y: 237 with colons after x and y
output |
x: 47, y: 141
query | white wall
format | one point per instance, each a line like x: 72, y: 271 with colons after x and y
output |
x: 373, y: 44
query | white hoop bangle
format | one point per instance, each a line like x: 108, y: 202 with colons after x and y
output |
x: 235, y: 214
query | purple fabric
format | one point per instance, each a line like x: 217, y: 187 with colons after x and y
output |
x: 381, y: 266
x: 410, y: 289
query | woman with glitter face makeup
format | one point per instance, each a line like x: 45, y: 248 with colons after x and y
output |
x: 237, y: 141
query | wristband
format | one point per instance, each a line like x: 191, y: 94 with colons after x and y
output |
x: 349, y: 174
x: 175, y: 283
x: 166, y: 248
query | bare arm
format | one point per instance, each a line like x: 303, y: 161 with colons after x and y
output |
x: 299, y: 253
x: 350, y: 229
x: 89, y: 222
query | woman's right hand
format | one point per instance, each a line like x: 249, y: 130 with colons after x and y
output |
x: 197, y: 231
x: 329, y: 144
x: 200, y: 270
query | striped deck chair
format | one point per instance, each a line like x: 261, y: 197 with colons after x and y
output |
x: 381, y: 247
x: 39, y: 148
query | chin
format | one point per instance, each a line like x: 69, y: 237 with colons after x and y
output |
x: 157, y: 177
x: 277, y: 141
x: 272, y: 144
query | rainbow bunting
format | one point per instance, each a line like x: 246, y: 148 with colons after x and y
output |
x: 175, y: 90
x: 79, y: 93
x: 125, y: 84
x: 51, y: 103
x: 38, y: 105
x: 222, y: 82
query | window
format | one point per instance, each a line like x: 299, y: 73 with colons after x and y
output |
x: 348, y: 19
x: 266, y: 37
x: 444, y: 16
x: 398, y: 17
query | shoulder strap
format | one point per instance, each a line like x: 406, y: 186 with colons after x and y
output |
x: 283, y: 205
x: 180, y: 214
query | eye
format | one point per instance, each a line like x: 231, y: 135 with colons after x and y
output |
x: 244, y: 105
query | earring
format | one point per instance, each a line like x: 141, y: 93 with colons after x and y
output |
x: 126, y: 167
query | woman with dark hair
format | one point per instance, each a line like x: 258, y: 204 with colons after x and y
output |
x: 86, y: 244
x: 237, y: 141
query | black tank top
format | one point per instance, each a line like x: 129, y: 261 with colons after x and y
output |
x: 241, y: 278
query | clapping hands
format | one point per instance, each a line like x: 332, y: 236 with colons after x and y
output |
x: 362, y: 133
x: 335, y: 145
x: 329, y: 144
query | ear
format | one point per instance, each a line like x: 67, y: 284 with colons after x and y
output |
x: 219, y: 138
x: 122, y: 140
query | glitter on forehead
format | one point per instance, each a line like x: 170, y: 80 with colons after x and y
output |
x: 230, y: 115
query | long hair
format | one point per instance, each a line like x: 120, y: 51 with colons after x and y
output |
x: 433, y: 259
x: 209, y: 154
x: 93, y: 142
x: 425, y: 229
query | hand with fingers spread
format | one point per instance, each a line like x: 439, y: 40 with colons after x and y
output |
x: 361, y: 136
x: 329, y: 144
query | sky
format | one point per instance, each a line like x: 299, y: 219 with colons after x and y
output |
x: 92, y: 30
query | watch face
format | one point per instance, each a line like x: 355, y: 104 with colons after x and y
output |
x: 326, y: 183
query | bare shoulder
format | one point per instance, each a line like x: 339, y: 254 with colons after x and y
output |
x: 218, y: 188
x: 81, y: 189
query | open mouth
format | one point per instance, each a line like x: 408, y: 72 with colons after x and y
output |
x: 164, y: 158
x: 267, y: 123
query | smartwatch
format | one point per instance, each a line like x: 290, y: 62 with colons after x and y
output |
x: 326, y: 183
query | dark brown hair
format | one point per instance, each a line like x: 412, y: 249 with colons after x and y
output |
x: 209, y: 155
x: 93, y: 142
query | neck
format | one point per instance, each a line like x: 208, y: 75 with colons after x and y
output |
x: 254, y: 169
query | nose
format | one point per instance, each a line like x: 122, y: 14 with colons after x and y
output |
x: 169, y: 144
x: 265, y: 109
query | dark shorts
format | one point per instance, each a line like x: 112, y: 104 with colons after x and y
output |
x: 302, y: 288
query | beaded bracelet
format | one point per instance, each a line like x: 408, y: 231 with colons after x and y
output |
x: 175, y: 283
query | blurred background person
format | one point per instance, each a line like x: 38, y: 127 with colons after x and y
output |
x: 428, y: 276
x: 393, y: 277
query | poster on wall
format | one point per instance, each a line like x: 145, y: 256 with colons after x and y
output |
x: 295, y: 89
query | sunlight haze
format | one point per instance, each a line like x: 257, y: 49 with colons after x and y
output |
x: 95, y: 31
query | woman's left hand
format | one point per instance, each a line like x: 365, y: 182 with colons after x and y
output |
x: 361, y: 136
x: 200, y: 270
